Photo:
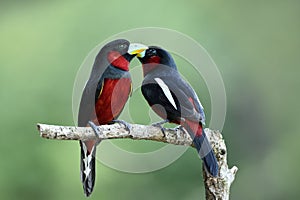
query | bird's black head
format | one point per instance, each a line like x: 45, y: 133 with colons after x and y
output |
x: 120, y: 52
x: 154, y: 57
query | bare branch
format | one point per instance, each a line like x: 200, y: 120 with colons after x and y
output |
x: 216, y: 188
x: 115, y: 131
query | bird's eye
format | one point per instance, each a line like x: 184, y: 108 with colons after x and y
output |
x: 152, y: 51
x: 122, y: 46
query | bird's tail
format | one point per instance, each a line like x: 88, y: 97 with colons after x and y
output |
x: 87, y: 167
x: 204, y: 149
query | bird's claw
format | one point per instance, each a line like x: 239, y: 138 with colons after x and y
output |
x: 159, y: 125
x: 95, y: 129
x: 181, y: 128
x: 127, y: 125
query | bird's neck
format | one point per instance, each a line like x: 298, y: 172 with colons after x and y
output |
x: 147, y: 68
x: 158, y: 68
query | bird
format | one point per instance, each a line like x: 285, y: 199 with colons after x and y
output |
x: 175, y: 101
x: 103, y: 98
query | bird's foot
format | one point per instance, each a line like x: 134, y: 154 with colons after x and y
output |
x: 95, y: 129
x: 127, y: 125
x: 159, y: 125
x: 181, y: 128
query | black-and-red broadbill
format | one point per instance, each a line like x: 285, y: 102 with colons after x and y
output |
x: 173, y: 99
x: 104, y: 97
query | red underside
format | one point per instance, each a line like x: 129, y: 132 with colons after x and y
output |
x: 195, y: 127
x: 110, y: 103
x: 112, y: 99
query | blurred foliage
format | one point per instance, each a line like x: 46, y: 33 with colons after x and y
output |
x: 254, y: 43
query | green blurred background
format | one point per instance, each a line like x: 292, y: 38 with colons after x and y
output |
x: 255, y: 44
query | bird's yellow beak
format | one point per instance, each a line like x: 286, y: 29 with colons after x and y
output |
x: 137, y: 49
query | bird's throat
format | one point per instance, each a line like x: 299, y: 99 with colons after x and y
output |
x: 119, y: 61
x: 150, y: 64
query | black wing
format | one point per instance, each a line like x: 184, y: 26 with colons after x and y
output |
x: 87, y: 103
x: 181, y: 93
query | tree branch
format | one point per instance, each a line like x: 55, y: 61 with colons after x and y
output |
x: 215, y: 188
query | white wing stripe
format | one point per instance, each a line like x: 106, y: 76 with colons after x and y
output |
x: 166, y: 91
x: 87, y: 160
